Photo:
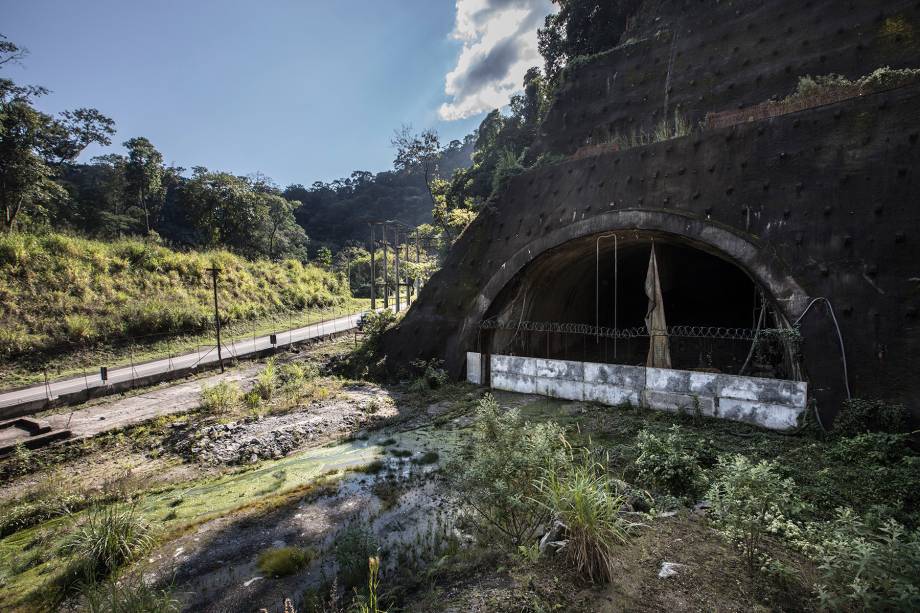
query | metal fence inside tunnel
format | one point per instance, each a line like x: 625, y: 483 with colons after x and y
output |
x: 587, y: 300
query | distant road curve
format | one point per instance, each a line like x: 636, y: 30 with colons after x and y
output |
x: 238, y: 349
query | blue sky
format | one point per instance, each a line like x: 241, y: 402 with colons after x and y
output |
x: 299, y: 90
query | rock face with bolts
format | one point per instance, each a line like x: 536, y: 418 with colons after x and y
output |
x: 820, y: 202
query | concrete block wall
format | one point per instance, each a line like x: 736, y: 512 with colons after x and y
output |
x: 770, y: 403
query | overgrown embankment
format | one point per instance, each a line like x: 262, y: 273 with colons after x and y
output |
x: 60, y: 292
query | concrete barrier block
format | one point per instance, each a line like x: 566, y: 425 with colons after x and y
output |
x: 611, y: 394
x: 560, y: 388
x: 559, y: 369
x: 773, y: 416
x: 628, y: 377
x: 513, y: 364
x: 513, y: 382
x: 473, y: 367
x: 667, y: 380
x: 674, y: 402
x: 769, y: 391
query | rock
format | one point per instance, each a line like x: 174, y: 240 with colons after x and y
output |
x: 552, y: 538
x: 669, y: 569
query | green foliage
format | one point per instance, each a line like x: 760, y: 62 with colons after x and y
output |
x: 284, y: 561
x: 370, y: 603
x: 588, y: 503
x: 582, y: 27
x: 107, y: 538
x: 498, y: 471
x: 220, y: 398
x: 860, y: 416
x: 430, y: 374
x: 353, y: 546
x: 868, y: 566
x: 128, y: 596
x: 669, y: 462
x: 749, y: 501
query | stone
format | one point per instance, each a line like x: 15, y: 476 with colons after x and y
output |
x: 669, y: 569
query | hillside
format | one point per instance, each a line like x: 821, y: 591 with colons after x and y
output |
x: 61, y: 291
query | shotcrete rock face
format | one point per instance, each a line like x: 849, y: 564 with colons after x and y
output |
x: 816, y: 203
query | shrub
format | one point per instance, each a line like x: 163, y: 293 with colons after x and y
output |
x: 266, y: 380
x: 429, y: 457
x: 129, y: 596
x: 668, y: 462
x: 430, y: 374
x: 353, y: 546
x: 748, y: 502
x: 865, y: 567
x: 220, y: 398
x: 497, y: 472
x: 253, y: 401
x: 859, y: 416
x: 587, y: 502
x: 284, y: 561
x: 109, y: 537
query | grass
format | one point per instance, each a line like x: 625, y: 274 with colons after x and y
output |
x: 108, y: 537
x: 284, y: 561
x: 129, y: 596
x: 69, y: 304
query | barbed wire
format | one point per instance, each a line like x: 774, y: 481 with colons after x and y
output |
x: 717, y: 332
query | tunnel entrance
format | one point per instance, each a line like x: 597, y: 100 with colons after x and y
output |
x: 586, y: 300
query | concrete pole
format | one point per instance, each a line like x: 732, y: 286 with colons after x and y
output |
x: 373, y: 270
x: 386, y: 280
x: 220, y: 357
x: 396, y: 270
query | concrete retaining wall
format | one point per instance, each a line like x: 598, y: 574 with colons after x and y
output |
x: 770, y: 403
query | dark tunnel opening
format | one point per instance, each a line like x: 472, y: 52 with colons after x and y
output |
x: 711, y: 305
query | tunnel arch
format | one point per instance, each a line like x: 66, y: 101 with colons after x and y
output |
x: 748, y: 254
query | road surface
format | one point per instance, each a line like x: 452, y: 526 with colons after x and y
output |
x: 205, y: 356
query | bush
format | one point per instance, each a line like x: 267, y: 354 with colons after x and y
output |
x: 750, y: 501
x: 284, y: 561
x: 587, y: 502
x: 669, y: 463
x: 131, y: 596
x: 861, y: 416
x: 220, y: 398
x: 430, y: 374
x: 865, y: 567
x: 496, y: 474
x: 109, y: 537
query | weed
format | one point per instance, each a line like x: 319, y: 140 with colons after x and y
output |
x: 284, y: 561
x: 221, y: 398
x: 387, y: 442
x: 749, y: 500
x: 668, y: 462
x: 496, y: 473
x: 107, y: 538
x: 861, y: 416
x: 266, y: 380
x: 400, y: 453
x: 372, y: 468
x: 353, y: 546
x: 587, y: 502
x: 128, y: 596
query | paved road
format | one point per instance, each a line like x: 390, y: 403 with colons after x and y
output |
x: 206, y: 355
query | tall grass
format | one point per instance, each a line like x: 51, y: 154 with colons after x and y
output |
x: 60, y: 290
x: 129, y: 596
x: 587, y: 502
x: 108, y: 538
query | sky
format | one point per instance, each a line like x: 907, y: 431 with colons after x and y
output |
x: 299, y: 90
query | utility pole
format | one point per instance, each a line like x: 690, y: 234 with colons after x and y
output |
x: 396, y: 251
x: 373, y: 270
x: 220, y: 358
x: 386, y: 280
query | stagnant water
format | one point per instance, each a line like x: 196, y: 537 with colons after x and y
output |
x: 214, y: 567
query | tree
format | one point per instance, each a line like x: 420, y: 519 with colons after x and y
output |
x: 582, y: 27
x: 414, y: 151
x: 144, y: 175
x: 284, y: 233
x: 33, y: 144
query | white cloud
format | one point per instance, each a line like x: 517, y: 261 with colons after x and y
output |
x: 499, y: 45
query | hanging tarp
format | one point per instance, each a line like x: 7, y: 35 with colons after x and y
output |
x: 659, y: 350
